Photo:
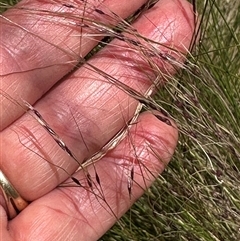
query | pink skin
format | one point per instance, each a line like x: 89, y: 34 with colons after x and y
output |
x: 99, y: 109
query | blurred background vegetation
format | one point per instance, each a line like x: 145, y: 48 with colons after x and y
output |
x: 198, y: 195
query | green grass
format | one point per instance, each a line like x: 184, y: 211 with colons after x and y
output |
x: 198, y: 195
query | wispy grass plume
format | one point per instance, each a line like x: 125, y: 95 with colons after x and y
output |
x: 198, y: 195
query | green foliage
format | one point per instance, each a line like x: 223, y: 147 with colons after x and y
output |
x: 5, y: 4
x: 198, y: 196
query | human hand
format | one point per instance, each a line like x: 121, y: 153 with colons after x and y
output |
x: 86, y: 111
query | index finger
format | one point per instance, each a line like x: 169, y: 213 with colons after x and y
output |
x: 42, y: 40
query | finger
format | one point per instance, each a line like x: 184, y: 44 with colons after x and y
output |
x: 73, y: 213
x: 41, y: 41
x: 99, y: 109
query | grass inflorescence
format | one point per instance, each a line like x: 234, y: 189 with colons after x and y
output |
x: 198, y: 195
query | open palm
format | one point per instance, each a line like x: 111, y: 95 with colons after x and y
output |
x: 86, y: 111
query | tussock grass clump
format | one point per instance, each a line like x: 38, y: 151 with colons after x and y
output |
x: 198, y: 196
